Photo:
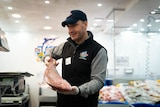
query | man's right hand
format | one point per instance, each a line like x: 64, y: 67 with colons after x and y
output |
x: 48, y: 59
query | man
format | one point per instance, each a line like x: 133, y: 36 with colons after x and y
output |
x: 84, y: 63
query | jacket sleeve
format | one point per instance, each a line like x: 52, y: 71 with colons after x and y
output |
x: 98, y: 74
x: 55, y: 52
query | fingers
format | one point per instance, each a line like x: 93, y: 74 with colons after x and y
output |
x: 73, y: 91
x: 46, y: 60
x: 55, y: 63
x: 49, y: 60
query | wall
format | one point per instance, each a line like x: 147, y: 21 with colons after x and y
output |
x: 22, y: 56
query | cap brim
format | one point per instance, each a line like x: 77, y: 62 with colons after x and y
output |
x: 69, y: 21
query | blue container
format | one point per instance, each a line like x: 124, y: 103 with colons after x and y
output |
x: 142, y: 105
x: 108, y: 82
x: 157, y: 105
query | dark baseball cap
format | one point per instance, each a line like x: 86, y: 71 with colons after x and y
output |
x: 75, y: 16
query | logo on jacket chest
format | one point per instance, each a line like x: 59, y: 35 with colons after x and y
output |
x: 83, y: 55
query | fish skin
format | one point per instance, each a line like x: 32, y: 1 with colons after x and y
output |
x: 52, y: 77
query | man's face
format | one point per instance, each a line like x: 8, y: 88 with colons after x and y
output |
x: 77, y: 31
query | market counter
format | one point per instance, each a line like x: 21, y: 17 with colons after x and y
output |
x: 146, y: 92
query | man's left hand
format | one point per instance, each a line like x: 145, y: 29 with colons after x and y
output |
x: 74, y: 91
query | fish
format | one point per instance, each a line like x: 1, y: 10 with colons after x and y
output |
x: 53, y: 79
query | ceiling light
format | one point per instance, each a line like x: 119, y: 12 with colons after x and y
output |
x: 99, y: 4
x: 135, y: 25
x: 141, y: 20
x: 153, y: 12
x: 47, y: 2
x: 98, y: 19
x: 149, y: 25
x: 10, y: 8
x: 47, y: 17
x: 16, y: 15
x: 157, y: 20
x: 47, y: 28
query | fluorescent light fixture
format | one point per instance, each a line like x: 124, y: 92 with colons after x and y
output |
x: 141, y: 20
x: 47, y: 17
x: 149, y: 25
x: 47, y: 27
x: 98, y: 19
x: 99, y: 4
x: 135, y: 25
x: 47, y: 2
x: 16, y: 15
x: 153, y: 12
x: 110, y: 20
x: 10, y: 8
x: 157, y: 20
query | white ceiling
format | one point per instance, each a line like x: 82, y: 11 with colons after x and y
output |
x: 33, y: 12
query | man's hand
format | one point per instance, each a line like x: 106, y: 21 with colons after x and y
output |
x: 60, y: 85
x: 74, y: 91
x: 48, y: 59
